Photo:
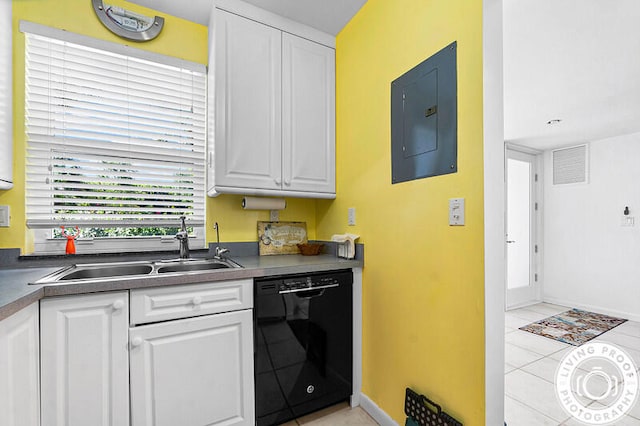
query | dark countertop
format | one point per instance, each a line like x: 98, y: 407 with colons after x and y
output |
x: 16, y: 293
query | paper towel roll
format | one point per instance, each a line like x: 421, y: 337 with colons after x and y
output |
x: 255, y: 203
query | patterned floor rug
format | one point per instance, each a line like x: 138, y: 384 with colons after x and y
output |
x: 574, y: 327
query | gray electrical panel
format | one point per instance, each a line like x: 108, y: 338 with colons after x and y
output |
x: 424, y: 119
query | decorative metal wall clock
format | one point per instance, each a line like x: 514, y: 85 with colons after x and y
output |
x: 126, y: 24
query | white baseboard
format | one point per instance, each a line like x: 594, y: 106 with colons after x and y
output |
x: 376, y: 412
x: 592, y: 308
x: 523, y: 305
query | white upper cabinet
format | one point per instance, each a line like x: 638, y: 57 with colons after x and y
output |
x: 274, y: 111
x: 6, y: 88
x: 308, y: 115
x: 248, y: 148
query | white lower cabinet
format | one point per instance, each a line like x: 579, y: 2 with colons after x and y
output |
x: 193, y: 372
x: 85, y: 360
x: 192, y: 368
x: 19, y: 380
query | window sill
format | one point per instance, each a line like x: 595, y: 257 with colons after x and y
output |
x: 44, y: 245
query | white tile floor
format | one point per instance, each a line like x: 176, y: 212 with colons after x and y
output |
x: 530, y: 365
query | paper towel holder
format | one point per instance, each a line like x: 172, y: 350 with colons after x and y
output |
x: 263, y: 203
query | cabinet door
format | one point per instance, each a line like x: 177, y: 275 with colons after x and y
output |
x: 308, y: 119
x: 193, y: 372
x: 19, y: 374
x: 248, y: 103
x: 85, y: 366
x: 6, y: 90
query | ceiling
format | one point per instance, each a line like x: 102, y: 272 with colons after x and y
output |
x: 191, y: 10
x: 573, y: 60
x: 329, y: 16
x: 577, y: 61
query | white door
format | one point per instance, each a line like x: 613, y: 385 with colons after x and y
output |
x: 84, y: 360
x: 19, y: 369
x: 193, y: 372
x: 248, y: 133
x: 522, y: 214
x: 308, y: 117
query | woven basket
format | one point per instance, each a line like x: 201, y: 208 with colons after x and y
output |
x: 310, y: 249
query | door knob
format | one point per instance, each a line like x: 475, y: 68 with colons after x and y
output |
x: 136, y: 341
x: 197, y: 300
x: 118, y: 304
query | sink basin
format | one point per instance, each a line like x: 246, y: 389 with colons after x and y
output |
x: 96, y: 271
x: 81, y: 273
x: 104, y: 271
x: 195, y: 266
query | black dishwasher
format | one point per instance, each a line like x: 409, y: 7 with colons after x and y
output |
x: 303, y: 344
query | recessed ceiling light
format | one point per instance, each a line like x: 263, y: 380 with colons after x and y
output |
x: 554, y: 121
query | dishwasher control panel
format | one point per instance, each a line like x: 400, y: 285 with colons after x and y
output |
x: 307, y: 282
x: 292, y: 283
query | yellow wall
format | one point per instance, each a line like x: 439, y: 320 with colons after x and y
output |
x: 423, y: 314
x: 237, y: 224
x: 179, y: 38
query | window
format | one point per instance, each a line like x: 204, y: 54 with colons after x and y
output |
x: 115, y: 142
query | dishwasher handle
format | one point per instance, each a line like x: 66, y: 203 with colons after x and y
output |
x: 309, y: 289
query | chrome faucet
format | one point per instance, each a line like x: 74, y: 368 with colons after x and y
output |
x: 220, y: 251
x: 183, y: 237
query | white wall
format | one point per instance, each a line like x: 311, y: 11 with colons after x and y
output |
x: 494, y: 205
x: 591, y: 261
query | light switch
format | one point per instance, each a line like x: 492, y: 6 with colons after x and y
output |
x: 4, y: 216
x: 627, y: 221
x: 456, y: 211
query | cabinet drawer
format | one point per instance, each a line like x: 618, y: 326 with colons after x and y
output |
x: 183, y: 301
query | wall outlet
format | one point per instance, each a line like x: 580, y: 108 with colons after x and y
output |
x: 351, y: 217
x: 4, y: 216
x: 274, y: 216
x: 456, y: 212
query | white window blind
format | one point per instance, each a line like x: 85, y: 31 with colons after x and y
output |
x: 112, y: 140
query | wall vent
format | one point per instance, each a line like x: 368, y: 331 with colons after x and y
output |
x: 570, y: 165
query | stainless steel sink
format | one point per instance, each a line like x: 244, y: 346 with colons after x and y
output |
x: 106, y: 271
x: 197, y: 266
